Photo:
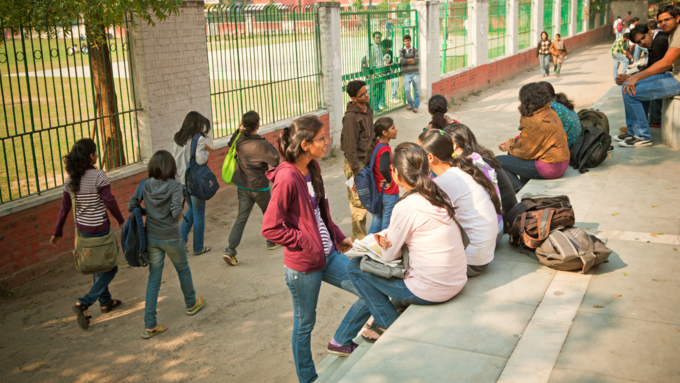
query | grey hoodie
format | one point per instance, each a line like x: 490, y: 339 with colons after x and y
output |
x: 163, y: 203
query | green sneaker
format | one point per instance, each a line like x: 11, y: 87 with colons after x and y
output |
x: 201, y: 303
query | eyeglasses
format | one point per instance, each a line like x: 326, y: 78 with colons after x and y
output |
x: 663, y: 21
x: 320, y: 139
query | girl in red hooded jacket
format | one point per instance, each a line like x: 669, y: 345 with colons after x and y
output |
x: 299, y: 219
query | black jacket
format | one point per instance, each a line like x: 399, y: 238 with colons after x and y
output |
x: 657, y: 50
x: 255, y: 154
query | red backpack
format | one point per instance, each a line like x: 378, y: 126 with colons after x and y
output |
x: 619, y: 27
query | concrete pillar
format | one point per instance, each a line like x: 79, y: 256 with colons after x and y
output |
x: 573, y: 22
x: 512, y: 28
x: 478, y: 31
x: 331, y: 65
x: 670, y: 122
x: 536, y: 22
x: 597, y: 20
x: 557, y: 18
x: 428, y: 42
x: 171, y: 74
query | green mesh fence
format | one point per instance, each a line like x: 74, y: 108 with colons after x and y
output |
x: 456, y: 46
x: 498, y: 9
x: 580, y: 15
x: 548, y: 9
x: 565, y: 17
x: 524, y: 26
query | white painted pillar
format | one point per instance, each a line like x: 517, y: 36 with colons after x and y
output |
x: 428, y: 42
x: 478, y: 31
x: 557, y: 18
x: 536, y: 21
x: 573, y: 22
x: 331, y: 65
x: 512, y: 28
x: 597, y: 21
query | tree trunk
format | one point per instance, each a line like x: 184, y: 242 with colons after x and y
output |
x: 106, y: 129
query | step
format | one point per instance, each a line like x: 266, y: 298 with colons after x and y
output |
x: 333, y: 368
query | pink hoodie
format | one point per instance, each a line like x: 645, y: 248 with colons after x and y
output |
x: 290, y: 220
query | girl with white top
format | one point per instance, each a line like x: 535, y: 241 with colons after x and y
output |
x: 424, y: 220
x: 472, y: 194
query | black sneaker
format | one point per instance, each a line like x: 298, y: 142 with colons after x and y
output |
x: 635, y: 143
x: 622, y: 137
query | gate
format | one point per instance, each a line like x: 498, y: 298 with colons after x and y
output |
x: 375, y: 60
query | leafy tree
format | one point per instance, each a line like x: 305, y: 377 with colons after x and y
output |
x: 49, y: 17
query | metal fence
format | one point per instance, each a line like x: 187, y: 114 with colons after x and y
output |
x: 498, y: 9
x: 565, y: 17
x: 603, y: 19
x: 548, y: 19
x: 57, y: 90
x: 580, y: 15
x: 456, y: 46
x: 372, y: 37
x: 524, y: 26
x: 264, y: 58
x: 591, y: 22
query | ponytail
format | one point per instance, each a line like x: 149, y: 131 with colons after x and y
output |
x: 380, y: 125
x: 437, y: 106
x: 562, y: 99
x: 78, y: 161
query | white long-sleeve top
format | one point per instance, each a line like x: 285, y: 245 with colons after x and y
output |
x: 182, y: 155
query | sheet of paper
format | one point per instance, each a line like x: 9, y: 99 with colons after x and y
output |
x: 350, y: 183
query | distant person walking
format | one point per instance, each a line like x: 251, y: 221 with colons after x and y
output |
x: 91, y: 191
x: 355, y: 141
x: 543, y: 53
x: 162, y: 196
x: 194, y: 123
x: 618, y: 27
x: 559, y: 52
x: 409, y: 60
x: 620, y: 55
x: 255, y: 156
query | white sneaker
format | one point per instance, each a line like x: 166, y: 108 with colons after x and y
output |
x: 635, y: 143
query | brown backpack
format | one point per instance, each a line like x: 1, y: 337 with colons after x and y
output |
x: 531, y: 228
x: 572, y: 249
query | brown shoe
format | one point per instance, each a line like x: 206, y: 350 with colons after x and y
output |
x: 623, y: 129
x: 408, y: 107
x: 415, y: 110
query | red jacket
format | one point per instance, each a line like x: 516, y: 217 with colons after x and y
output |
x: 290, y: 220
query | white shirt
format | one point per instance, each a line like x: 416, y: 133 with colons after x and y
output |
x: 182, y: 155
x: 475, y: 212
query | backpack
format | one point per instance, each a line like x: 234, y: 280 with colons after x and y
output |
x: 133, y: 237
x: 572, y: 249
x: 200, y: 180
x: 593, y: 117
x: 534, y: 217
x: 590, y: 149
x: 619, y: 26
x: 366, y: 188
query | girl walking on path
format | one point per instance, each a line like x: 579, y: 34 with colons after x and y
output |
x: 385, y: 131
x: 299, y: 218
x: 472, y: 194
x: 194, y: 123
x: 559, y: 52
x: 162, y: 196
x: 93, y: 196
x: 255, y: 155
x: 543, y: 53
x: 423, y: 220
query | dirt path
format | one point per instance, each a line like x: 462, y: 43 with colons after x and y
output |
x: 243, y: 334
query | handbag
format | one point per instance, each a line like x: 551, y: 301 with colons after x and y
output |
x: 93, y: 255
x: 230, y: 161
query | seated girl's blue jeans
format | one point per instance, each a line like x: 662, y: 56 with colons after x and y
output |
x: 100, y: 288
x: 304, y: 289
x: 381, y: 221
x: 518, y: 170
x: 377, y: 292
x: 157, y: 249
x: 195, y: 217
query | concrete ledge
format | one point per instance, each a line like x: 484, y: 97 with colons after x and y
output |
x: 670, y: 122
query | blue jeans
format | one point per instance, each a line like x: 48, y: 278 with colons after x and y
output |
x: 304, y: 289
x: 381, y: 221
x: 618, y: 60
x: 518, y: 170
x: 619, y: 34
x: 195, y: 217
x: 412, y: 79
x: 656, y: 87
x: 395, y: 85
x: 638, y: 52
x: 545, y: 64
x: 157, y: 249
x: 377, y: 292
x: 100, y: 288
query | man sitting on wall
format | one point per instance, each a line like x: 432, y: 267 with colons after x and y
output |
x: 655, y: 82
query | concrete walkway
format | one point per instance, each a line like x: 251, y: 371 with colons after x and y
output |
x: 522, y: 322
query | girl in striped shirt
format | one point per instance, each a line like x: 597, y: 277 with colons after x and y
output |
x: 93, y: 196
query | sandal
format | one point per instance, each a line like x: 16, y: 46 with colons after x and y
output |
x: 374, y: 327
x: 110, y: 305
x: 197, y: 308
x: 149, y: 334
x: 205, y: 250
x: 83, y: 321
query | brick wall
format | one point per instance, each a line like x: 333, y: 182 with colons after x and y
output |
x: 461, y: 84
x: 25, y: 251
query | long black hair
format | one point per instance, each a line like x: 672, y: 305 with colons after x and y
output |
x: 441, y: 146
x: 194, y: 123
x: 290, y: 145
x: 78, y: 160
x: 463, y: 137
x: 380, y: 125
x: 532, y: 97
x: 249, y: 123
x: 438, y: 106
x: 410, y: 162
x: 559, y: 97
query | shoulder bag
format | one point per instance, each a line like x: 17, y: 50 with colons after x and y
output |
x: 93, y: 255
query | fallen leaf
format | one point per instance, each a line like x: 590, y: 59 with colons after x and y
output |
x: 654, y: 235
x: 674, y: 249
x: 617, y: 295
x: 615, y: 214
x: 46, y: 353
x: 655, y: 205
x: 598, y: 306
x: 624, y: 273
x: 658, y: 233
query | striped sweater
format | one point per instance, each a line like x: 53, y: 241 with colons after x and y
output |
x: 92, y: 200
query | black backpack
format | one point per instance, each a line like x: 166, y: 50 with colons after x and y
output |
x: 133, y: 236
x: 590, y: 149
x: 593, y: 117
